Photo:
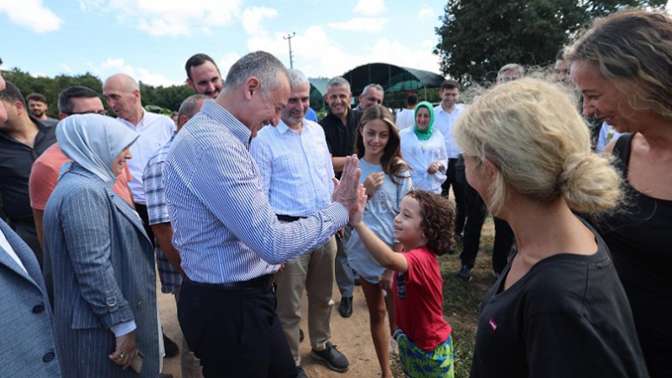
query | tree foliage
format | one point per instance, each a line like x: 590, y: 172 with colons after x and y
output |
x: 168, y: 98
x: 477, y: 37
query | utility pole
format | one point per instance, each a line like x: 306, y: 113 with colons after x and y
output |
x: 289, y: 37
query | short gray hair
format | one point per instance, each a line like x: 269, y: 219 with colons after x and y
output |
x: 512, y: 67
x: 374, y: 86
x: 189, y: 106
x: 297, y: 78
x: 338, y: 81
x: 261, y: 64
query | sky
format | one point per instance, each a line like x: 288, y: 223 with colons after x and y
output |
x: 152, y: 39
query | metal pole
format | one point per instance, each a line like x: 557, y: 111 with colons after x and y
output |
x: 289, y: 37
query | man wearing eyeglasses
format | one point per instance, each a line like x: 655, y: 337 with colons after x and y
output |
x: 46, y: 169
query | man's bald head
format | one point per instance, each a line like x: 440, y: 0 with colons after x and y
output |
x: 122, y: 94
x: 122, y: 81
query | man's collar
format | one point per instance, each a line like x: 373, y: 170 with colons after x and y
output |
x: 456, y: 106
x: 217, y: 112
x: 283, y: 128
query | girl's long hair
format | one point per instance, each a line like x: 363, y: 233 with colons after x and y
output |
x: 391, y: 161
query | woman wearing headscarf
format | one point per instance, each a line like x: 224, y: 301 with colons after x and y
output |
x: 423, y: 148
x: 101, y: 259
x: 623, y: 66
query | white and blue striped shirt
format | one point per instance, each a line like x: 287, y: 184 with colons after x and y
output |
x: 224, y: 227
x: 295, y: 167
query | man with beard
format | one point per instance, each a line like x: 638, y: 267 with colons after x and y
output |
x: 203, y: 75
x: 38, y: 106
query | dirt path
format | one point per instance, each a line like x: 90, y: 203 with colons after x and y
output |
x: 351, y: 335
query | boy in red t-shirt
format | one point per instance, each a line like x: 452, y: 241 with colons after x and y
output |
x: 422, y: 227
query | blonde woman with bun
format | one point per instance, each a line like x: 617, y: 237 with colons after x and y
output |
x: 623, y: 67
x: 558, y: 308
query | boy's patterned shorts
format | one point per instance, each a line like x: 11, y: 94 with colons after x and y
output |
x: 418, y: 363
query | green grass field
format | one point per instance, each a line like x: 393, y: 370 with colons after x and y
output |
x: 461, y: 300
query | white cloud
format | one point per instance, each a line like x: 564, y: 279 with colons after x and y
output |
x: 112, y: 66
x: 225, y: 62
x: 254, y: 16
x: 370, y: 7
x: 365, y: 24
x: 426, y: 13
x: 169, y: 17
x: 389, y: 51
x: 335, y: 60
x: 31, y: 14
x: 67, y: 69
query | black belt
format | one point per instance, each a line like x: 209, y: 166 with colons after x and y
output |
x: 288, y: 218
x: 261, y: 282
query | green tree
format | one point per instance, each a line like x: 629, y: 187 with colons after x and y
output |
x: 476, y: 37
x: 168, y: 98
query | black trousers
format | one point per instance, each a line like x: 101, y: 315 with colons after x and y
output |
x: 476, y: 212
x: 142, y: 211
x: 234, y: 332
x: 456, y: 178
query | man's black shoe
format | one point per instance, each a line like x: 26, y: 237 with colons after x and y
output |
x: 345, y: 307
x: 170, y: 347
x: 334, y: 359
x: 464, y: 274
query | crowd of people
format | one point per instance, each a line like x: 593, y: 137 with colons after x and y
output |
x: 239, y: 219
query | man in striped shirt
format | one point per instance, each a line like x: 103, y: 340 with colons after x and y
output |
x: 228, y: 235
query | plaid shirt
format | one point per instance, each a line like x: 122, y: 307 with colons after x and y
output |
x: 157, y: 210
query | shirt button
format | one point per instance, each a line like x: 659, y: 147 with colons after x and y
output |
x: 38, y: 308
x: 48, y: 357
x: 111, y: 301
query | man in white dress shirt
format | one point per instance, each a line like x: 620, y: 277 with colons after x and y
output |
x: 406, y: 116
x: 295, y: 165
x: 445, y: 115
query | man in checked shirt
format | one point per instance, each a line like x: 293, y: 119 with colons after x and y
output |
x: 167, y: 257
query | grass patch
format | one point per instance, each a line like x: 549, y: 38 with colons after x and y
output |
x: 462, y: 300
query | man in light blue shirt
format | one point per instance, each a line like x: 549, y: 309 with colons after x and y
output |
x: 228, y: 235
x: 295, y: 165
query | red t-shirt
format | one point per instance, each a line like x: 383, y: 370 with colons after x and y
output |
x: 418, y: 300
x: 44, y: 176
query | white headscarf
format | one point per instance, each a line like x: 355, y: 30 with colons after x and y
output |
x: 94, y: 141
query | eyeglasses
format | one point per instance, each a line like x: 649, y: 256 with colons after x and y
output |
x: 100, y: 112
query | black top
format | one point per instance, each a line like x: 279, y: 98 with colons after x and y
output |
x: 341, y: 139
x: 567, y: 317
x: 640, y: 239
x: 16, y: 161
